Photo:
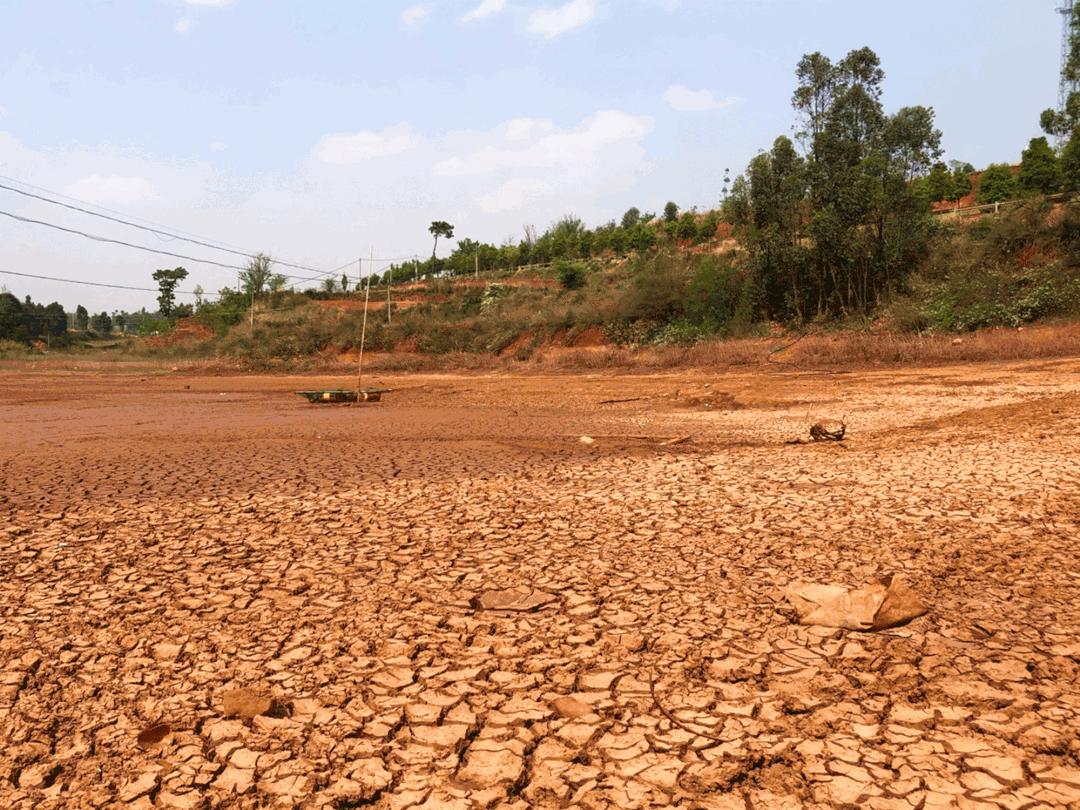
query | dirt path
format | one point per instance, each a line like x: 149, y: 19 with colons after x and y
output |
x: 167, y: 538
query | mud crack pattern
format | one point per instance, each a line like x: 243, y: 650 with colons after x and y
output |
x: 168, y: 541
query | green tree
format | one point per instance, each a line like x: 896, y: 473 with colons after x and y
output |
x: 770, y: 216
x: 167, y: 281
x: 686, y: 226
x: 1064, y: 122
x: 101, y: 323
x: 864, y: 227
x: 961, y: 179
x: 1039, y: 169
x: 51, y: 323
x: 11, y: 318
x: 1070, y: 164
x: 996, y: 184
x: 440, y: 228
x: 255, y: 277
x: 939, y: 183
x: 631, y: 218
x: 82, y: 318
x: 120, y: 320
x: 671, y: 212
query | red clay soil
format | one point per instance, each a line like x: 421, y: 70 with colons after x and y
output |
x: 218, y: 596
x: 374, y: 305
x: 186, y: 329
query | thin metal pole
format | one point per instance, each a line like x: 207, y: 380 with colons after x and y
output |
x: 389, y: 280
x: 363, y: 329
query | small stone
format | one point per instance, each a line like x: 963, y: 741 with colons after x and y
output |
x: 167, y: 652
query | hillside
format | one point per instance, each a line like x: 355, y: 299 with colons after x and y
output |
x: 1019, y: 267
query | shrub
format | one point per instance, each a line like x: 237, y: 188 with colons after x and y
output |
x: 571, y: 275
x: 713, y: 294
x: 657, y: 290
x: 10, y: 349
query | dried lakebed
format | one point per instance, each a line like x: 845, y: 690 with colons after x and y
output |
x: 218, y: 596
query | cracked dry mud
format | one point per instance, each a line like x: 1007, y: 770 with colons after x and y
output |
x: 170, y: 542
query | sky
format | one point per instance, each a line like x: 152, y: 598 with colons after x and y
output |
x: 324, y: 132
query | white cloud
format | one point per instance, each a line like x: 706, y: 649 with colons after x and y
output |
x: 485, y: 9
x: 414, y: 15
x: 521, y: 129
x: 550, y: 22
x: 3, y: 110
x: 217, y: 146
x: 684, y: 99
x: 113, y: 189
x: 579, y: 147
x: 529, y: 160
x: 513, y: 194
x: 183, y: 26
x: 354, y: 147
x: 210, y: 3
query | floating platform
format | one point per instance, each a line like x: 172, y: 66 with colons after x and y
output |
x: 329, y: 396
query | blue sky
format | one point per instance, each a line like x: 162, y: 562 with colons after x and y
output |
x: 317, y: 131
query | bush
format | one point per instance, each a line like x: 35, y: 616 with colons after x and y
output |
x: 154, y: 324
x: 713, y: 294
x: 679, y: 333
x: 657, y: 290
x: 10, y: 349
x: 571, y: 275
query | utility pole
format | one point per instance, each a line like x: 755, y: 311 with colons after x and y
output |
x: 389, y: 279
x: 252, y: 325
x: 363, y: 329
x: 476, y: 265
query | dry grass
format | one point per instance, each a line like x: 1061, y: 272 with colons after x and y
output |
x: 837, y: 351
x: 892, y: 349
x: 833, y: 351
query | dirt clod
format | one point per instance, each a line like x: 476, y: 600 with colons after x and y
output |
x: 247, y: 703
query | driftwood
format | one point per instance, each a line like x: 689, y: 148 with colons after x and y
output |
x: 676, y: 440
x: 828, y: 430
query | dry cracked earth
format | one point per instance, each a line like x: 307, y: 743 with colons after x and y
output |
x: 217, y: 596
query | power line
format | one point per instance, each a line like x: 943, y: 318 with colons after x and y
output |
x: 173, y: 233
x: 92, y: 283
x: 120, y: 242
